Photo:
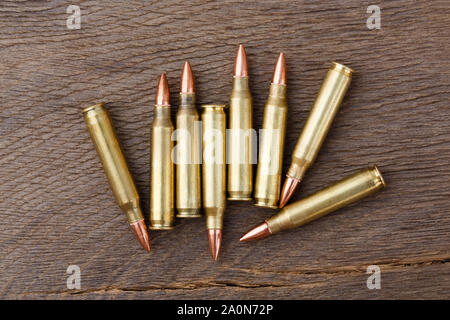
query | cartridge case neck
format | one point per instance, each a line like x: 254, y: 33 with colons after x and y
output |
x: 277, y: 90
x: 214, y: 217
x: 279, y: 222
x: 134, y: 213
x: 162, y: 111
x: 187, y: 100
x: 240, y: 84
x: 298, y: 168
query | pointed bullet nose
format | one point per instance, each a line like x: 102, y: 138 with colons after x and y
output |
x: 215, y: 241
x: 187, y: 79
x: 260, y: 231
x: 162, y: 92
x: 141, y: 233
x: 240, y: 64
x: 279, y: 73
x: 290, y: 184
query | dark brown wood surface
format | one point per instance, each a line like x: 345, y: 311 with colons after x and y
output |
x: 56, y: 208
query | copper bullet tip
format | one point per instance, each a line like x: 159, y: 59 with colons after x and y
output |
x: 162, y: 92
x: 140, y: 230
x: 187, y: 79
x: 290, y: 184
x: 258, y: 232
x: 215, y: 241
x: 279, y: 74
x: 240, y: 64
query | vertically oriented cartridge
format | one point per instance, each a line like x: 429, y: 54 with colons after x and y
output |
x: 188, y: 153
x: 214, y: 173
x: 240, y: 155
x: 270, y: 162
x: 161, y: 173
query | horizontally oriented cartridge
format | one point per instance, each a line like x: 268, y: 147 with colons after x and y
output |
x: 338, y: 195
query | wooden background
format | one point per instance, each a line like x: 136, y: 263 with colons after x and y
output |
x: 56, y: 207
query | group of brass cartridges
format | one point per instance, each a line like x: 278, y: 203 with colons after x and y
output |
x: 191, y: 175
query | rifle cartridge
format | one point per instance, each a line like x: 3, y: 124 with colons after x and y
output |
x: 113, y: 161
x: 268, y: 173
x: 214, y: 166
x: 161, y: 173
x: 240, y: 165
x: 338, y: 195
x: 351, y: 189
x: 317, y: 125
x: 188, y: 155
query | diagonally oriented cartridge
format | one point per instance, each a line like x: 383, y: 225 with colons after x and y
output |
x: 268, y: 173
x: 113, y: 161
x: 187, y: 182
x: 316, y: 127
x: 240, y: 163
x: 161, y: 173
x: 213, y: 173
x: 338, y: 195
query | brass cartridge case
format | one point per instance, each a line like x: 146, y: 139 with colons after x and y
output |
x: 268, y: 174
x: 188, y: 155
x: 338, y: 195
x: 113, y: 161
x: 214, y: 164
x: 240, y: 163
x: 319, y: 120
x: 161, y: 175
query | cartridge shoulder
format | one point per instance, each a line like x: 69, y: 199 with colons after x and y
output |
x: 162, y: 122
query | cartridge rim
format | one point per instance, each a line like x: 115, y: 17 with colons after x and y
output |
x: 264, y: 204
x: 160, y: 227
x: 342, y: 69
x: 95, y: 106
x: 189, y: 213
x: 221, y: 106
x: 239, y: 195
x: 378, y: 174
x: 240, y: 198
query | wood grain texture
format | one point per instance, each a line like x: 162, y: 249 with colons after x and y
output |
x: 55, y: 204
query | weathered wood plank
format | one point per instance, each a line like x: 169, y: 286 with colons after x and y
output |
x: 55, y: 204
